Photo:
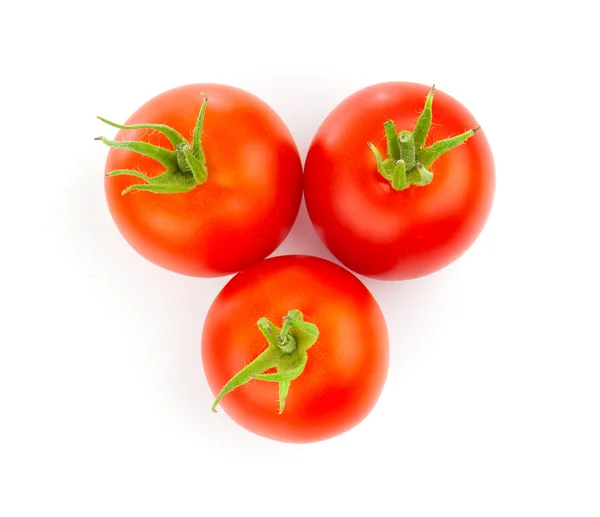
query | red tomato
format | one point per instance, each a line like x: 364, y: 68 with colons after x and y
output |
x: 246, y: 206
x: 344, y: 371
x: 385, y: 233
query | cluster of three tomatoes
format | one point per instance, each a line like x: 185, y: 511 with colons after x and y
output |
x: 206, y: 180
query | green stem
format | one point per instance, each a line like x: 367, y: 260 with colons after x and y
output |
x: 285, y: 341
x: 264, y: 361
x: 382, y: 167
x: 289, y: 360
x: 425, y: 176
x: 173, y: 136
x: 408, y: 160
x: 157, y: 189
x: 160, y: 154
x: 129, y: 172
x: 197, y: 137
x: 407, y: 148
x: 399, y: 177
x: 432, y: 153
x: 196, y: 166
x: 185, y: 166
x: 284, y: 388
x: 392, y: 141
x: 424, y: 122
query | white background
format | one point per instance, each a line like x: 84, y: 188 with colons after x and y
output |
x: 493, y: 396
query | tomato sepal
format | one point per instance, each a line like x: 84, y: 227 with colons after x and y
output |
x: 185, y: 165
x: 286, y: 351
x: 172, y: 135
x: 408, y: 160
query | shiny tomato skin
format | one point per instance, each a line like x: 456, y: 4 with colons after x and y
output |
x: 243, y: 211
x: 346, y: 367
x: 375, y: 230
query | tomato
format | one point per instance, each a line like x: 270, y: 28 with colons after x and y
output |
x: 323, y: 387
x: 214, y: 213
x: 377, y: 217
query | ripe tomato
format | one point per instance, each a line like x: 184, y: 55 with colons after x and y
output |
x: 402, y: 226
x: 323, y: 391
x: 219, y: 211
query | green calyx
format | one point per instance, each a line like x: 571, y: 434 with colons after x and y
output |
x: 185, y: 166
x: 408, y: 160
x: 286, y: 351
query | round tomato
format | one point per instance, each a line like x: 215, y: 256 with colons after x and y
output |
x: 410, y: 202
x: 203, y: 180
x: 315, y: 376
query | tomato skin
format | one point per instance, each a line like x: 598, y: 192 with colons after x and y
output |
x: 240, y: 214
x: 375, y: 230
x: 346, y: 367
